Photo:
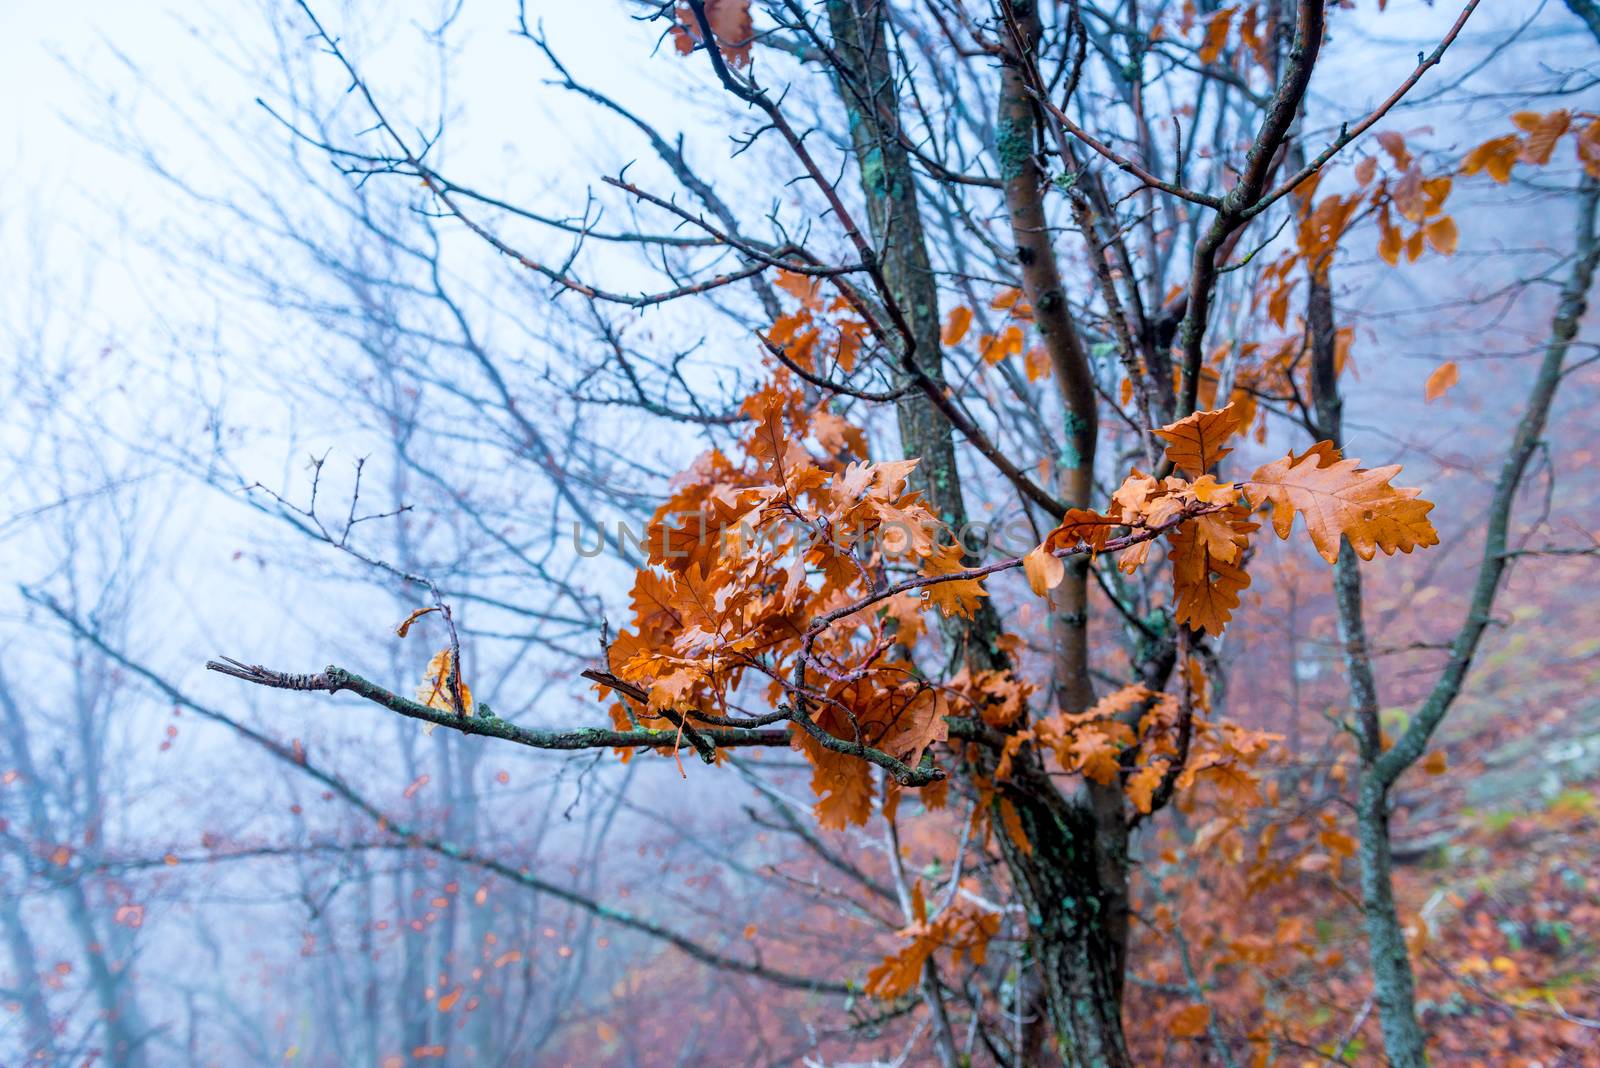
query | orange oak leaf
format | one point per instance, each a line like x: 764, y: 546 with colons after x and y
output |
x: 1189, y: 1022
x: 1207, y: 572
x: 1141, y: 786
x: 1195, y: 442
x: 964, y: 928
x: 1080, y: 526
x: 1339, y: 497
x: 954, y: 597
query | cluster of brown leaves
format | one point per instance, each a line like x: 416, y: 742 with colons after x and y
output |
x: 820, y: 331
x: 1536, y: 144
x: 961, y: 928
x: 1009, y: 337
x: 1208, y: 523
x: 750, y: 552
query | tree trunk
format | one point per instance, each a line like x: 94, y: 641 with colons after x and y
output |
x: 1077, y: 919
x: 1074, y: 878
x: 1394, y: 986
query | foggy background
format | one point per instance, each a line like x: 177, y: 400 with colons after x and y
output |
x: 196, y: 302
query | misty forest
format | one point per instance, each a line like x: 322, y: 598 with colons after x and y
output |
x: 800, y: 532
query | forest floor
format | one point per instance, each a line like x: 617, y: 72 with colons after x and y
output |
x: 1500, y: 862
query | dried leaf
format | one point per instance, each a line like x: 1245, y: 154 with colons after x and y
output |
x: 1543, y: 131
x: 1339, y: 497
x: 1195, y: 442
x: 1190, y: 1021
x: 1439, y: 382
x: 1216, y: 34
x: 405, y: 625
x: 1206, y: 587
x: 956, y: 597
x: 1497, y: 156
x: 730, y: 24
x: 956, y: 325
x: 1442, y: 235
x: 1044, y: 569
x: 1142, y: 784
x: 434, y: 690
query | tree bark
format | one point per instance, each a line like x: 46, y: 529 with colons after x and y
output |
x: 1073, y: 878
x: 1077, y: 918
x: 1076, y: 881
x: 867, y: 86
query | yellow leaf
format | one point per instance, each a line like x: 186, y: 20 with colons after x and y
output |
x: 1207, y: 490
x: 607, y: 1033
x: 749, y: 931
x: 1044, y: 569
x: 1217, y: 537
x: 1444, y: 376
x: 1437, y: 763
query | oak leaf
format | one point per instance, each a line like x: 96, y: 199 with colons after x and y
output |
x: 954, y: 597
x: 1207, y: 574
x: 1195, y: 443
x: 1339, y: 497
x: 1190, y: 1021
x: 1142, y: 784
